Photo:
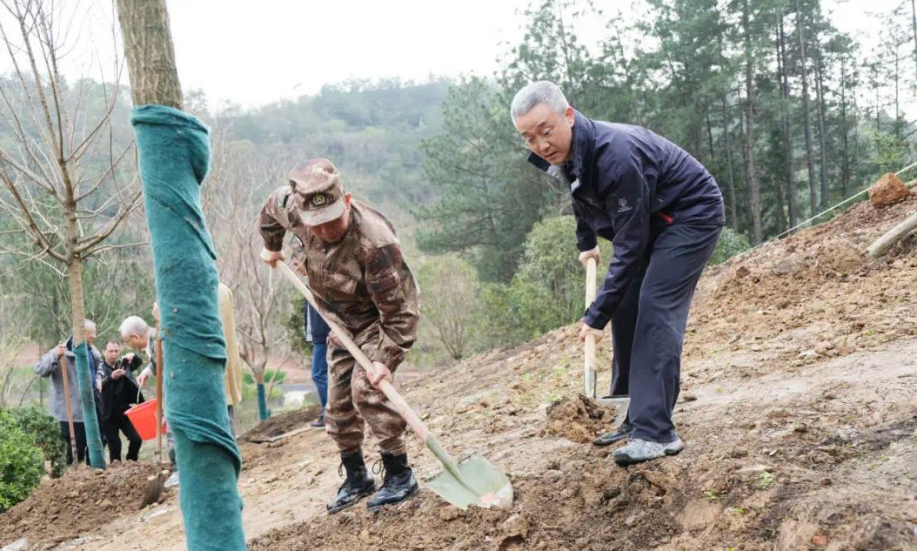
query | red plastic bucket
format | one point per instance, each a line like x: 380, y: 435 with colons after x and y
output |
x: 143, y: 417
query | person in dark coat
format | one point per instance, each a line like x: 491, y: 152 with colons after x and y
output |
x: 119, y: 390
x: 663, y: 213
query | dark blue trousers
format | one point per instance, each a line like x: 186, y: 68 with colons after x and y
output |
x: 648, y: 328
x: 320, y: 371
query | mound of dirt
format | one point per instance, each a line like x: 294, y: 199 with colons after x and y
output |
x: 578, y: 419
x: 283, y: 423
x: 79, y: 502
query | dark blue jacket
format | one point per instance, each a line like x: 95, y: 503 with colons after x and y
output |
x: 317, y: 325
x: 626, y: 184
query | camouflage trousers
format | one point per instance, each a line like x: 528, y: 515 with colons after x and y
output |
x: 354, y: 402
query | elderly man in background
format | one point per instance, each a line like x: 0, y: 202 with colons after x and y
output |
x: 49, y: 365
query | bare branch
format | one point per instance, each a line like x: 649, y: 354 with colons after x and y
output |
x: 122, y: 214
x: 32, y: 225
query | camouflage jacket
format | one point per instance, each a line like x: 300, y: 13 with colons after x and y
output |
x: 362, y: 282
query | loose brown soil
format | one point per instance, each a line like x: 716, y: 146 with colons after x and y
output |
x: 799, y: 411
x: 79, y: 502
x: 578, y: 419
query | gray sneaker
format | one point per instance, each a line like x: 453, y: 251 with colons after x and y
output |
x: 674, y: 448
x: 638, y: 451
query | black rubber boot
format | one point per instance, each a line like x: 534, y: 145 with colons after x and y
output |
x: 358, y: 484
x: 617, y: 435
x: 398, y: 482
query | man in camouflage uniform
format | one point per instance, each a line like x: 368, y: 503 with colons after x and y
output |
x: 353, y: 261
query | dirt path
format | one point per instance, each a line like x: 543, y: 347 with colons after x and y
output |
x: 827, y: 456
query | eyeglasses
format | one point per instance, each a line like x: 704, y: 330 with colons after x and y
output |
x: 542, y: 138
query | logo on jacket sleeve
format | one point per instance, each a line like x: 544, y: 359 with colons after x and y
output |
x: 623, y: 206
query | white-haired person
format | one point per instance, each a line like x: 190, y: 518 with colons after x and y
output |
x: 49, y: 365
x: 663, y: 213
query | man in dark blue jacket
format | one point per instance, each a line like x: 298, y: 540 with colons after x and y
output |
x: 663, y: 213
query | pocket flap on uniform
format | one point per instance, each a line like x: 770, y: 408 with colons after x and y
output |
x: 340, y: 283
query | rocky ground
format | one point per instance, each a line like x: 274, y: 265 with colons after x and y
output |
x: 799, y: 410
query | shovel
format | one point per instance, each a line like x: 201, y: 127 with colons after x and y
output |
x: 472, y: 481
x: 155, y: 483
x: 620, y: 403
x: 589, y: 375
x: 63, y: 363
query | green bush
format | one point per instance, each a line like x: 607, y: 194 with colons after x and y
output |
x: 268, y: 376
x: 450, y: 304
x: 46, y: 432
x: 730, y: 244
x: 549, y: 289
x: 21, y: 462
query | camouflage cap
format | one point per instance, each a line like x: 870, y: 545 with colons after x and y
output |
x: 318, y: 191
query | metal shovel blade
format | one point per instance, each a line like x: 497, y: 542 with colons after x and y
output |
x: 620, y: 403
x: 477, y: 482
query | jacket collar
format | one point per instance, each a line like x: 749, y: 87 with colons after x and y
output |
x: 582, y: 146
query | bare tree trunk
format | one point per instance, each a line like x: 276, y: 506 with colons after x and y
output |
x: 800, y: 30
x: 914, y: 29
x: 855, y: 171
x: 210, y: 502
x: 754, y: 187
x: 787, y: 127
x: 845, y: 132
x: 875, y: 77
x: 822, y: 139
x: 149, y: 51
x: 710, y: 136
x: 727, y: 145
x: 897, y: 94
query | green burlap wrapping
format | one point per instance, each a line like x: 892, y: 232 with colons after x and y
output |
x: 174, y: 158
x: 87, y: 397
x: 263, y: 413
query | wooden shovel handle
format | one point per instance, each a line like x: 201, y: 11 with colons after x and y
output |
x: 159, y: 368
x: 589, y: 367
x: 63, y: 363
x: 386, y: 387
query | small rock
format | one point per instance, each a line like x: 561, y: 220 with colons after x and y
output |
x: 551, y: 476
x: 106, y: 503
x: 742, y: 271
x: 449, y: 513
x: 825, y: 482
x: 819, y: 540
x: 18, y: 545
x: 888, y: 191
x: 631, y: 520
x: 516, y: 527
x: 687, y: 397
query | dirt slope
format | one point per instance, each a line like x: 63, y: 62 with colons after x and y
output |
x: 799, y: 410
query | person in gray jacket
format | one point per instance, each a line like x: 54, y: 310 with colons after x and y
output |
x: 49, y: 366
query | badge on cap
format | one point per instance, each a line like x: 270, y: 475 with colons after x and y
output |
x: 319, y: 199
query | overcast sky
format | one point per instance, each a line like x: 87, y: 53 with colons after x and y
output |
x: 286, y: 49
x: 252, y: 53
